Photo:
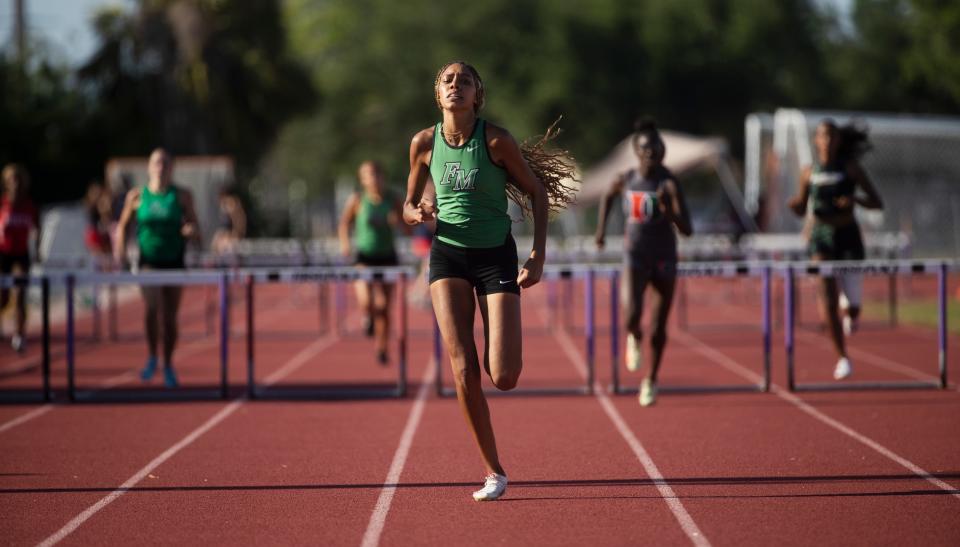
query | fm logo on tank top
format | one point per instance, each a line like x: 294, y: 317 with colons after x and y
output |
x: 641, y: 206
x: 452, y: 174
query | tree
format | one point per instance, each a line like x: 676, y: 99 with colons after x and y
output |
x: 196, y: 76
x: 900, y: 56
x: 45, y: 126
x: 697, y: 65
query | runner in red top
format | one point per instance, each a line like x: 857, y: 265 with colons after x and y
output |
x: 18, y: 217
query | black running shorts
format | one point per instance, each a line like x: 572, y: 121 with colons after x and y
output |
x: 375, y: 261
x: 490, y: 271
x: 9, y: 262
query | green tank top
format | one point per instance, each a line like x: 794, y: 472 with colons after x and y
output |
x: 159, y: 219
x: 471, y: 192
x: 372, y: 233
x: 826, y: 185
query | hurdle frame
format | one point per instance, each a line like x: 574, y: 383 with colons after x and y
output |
x: 9, y: 282
x: 159, y: 277
x: 891, y: 268
x: 320, y: 275
x: 764, y: 270
x: 550, y: 274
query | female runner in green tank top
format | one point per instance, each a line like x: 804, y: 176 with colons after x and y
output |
x: 372, y: 214
x: 166, y: 219
x: 830, y: 189
x: 472, y: 164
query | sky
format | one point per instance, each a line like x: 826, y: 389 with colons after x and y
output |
x: 64, y: 25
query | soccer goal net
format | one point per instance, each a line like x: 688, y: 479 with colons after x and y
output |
x: 914, y: 165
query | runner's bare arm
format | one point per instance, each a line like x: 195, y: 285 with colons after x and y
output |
x: 798, y: 203
x: 616, y: 188
x: 415, y: 210
x: 504, y: 151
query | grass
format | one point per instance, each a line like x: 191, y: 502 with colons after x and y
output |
x: 921, y: 313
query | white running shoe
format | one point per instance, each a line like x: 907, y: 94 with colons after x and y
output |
x: 493, y: 487
x: 634, y: 353
x: 843, y: 369
x: 18, y: 344
x: 648, y: 392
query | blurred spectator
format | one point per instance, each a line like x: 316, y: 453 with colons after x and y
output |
x: 18, y: 216
x: 118, y: 197
x: 98, y: 205
x: 232, y: 224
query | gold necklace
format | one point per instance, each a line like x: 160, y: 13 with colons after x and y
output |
x: 450, y: 136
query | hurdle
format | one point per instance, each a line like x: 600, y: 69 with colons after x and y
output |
x: 149, y: 278
x: 46, y: 393
x: 941, y: 268
x: 550, y: 274
x: 764, y: 271
x: 320, y: 275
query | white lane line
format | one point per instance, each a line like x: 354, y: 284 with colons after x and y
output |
x: 113, y: 381
x: 378, y: 518
x: 140, y: 475
x: 858, y: 354
x: 23, y: 418
x: 865, y: 356
x: 217, y: 418
x: 686, y: 522
x: 735, y: 367
x: 186, y: 351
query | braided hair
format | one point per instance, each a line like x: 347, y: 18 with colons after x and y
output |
x: 554, y: 168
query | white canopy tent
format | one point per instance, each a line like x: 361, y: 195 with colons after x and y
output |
x: 685, y: 154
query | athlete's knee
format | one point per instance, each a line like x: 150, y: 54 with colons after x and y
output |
x: 505, y: 380
x: 466, y: 378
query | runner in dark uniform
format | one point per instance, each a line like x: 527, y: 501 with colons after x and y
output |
x: 829, y: 189
x: 653, y: 204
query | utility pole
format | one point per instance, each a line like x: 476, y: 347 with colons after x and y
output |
x: 20, y: 31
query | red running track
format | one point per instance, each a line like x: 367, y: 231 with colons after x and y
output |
x: 869, y: 468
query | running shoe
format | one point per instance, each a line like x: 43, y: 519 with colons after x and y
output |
x: 170, y: 377
x: 493, y: 487
x: 843, y: 369
x: 634, y: 353
x: 648, y: 392
x: 18, y: 343
x: 149, y: 369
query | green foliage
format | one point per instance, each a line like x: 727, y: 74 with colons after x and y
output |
x: 901, y: 56
x: 348, y: 80
x: 195, y: 76
x: 198, y: 77
x: 44, y: 125
x: 696, y: 65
